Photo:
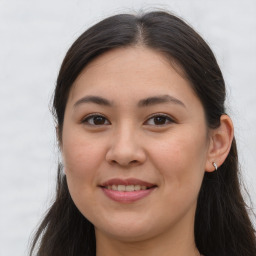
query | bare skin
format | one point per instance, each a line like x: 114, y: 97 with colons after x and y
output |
x: 131, y: 115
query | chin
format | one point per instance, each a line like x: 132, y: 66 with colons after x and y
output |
x: 126, y: 234
x: 128, y: 229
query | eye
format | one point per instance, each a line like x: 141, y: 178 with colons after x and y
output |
x: 96, y: 120
x: 159, y: 120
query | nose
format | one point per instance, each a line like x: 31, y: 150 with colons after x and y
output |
x: 125, y: 149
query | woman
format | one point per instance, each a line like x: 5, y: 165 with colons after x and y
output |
x: 149, y: 157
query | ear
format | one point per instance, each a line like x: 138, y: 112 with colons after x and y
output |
x: 220, y: 143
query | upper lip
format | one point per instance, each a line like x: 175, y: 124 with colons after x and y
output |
x: 126, y: 182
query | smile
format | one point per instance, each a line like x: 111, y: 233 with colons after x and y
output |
x: 128, y: 190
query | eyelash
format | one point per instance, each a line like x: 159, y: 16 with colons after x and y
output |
x: 91, y: 117
x: 87, y: 119
x: 166, y: 117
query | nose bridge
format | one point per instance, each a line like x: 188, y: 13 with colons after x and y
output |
x: 125, y: 133
x: 125, y: 148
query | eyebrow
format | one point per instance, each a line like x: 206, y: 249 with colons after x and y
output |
x: 160, y: 99
x: 150, y: 101
x: 94, y: 99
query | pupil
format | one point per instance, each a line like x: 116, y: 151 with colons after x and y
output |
x: 159, y: 120
x: 98, y: 120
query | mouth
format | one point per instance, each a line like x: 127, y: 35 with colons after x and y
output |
x: 127, y: 185
x: 128, y: 190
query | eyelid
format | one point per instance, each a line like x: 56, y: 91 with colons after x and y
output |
x: 87, y: 117
x: 168, y: 117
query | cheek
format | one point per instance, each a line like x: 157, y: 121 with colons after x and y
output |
x: 82, y: 159
x: 181, y: 160
x: 82, y: 156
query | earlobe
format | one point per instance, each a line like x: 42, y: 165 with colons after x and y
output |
x: 220, y: 143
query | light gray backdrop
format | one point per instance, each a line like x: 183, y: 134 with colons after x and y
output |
x: 34, y: 36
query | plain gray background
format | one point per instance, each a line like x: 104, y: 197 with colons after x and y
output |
x: 34, y: 37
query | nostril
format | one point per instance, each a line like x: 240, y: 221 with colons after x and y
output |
x: 133, y: 162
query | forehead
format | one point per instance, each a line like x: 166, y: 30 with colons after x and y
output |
x: 131, y: 72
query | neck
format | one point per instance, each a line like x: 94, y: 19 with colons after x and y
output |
x: 148, y: 248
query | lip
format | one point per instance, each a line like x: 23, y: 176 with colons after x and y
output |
x: 127, y: 196
x: 126, y: 182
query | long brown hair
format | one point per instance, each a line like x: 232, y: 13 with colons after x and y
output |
x: 222, y: 225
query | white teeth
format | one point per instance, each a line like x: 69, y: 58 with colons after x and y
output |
x: 137, y: 187
x: 114, y: 187
x: 128, y: 188
x: 121, y: 187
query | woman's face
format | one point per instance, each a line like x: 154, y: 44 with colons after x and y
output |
x: 135, y: 145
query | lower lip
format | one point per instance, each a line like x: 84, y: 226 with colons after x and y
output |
x: 127, y: 197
